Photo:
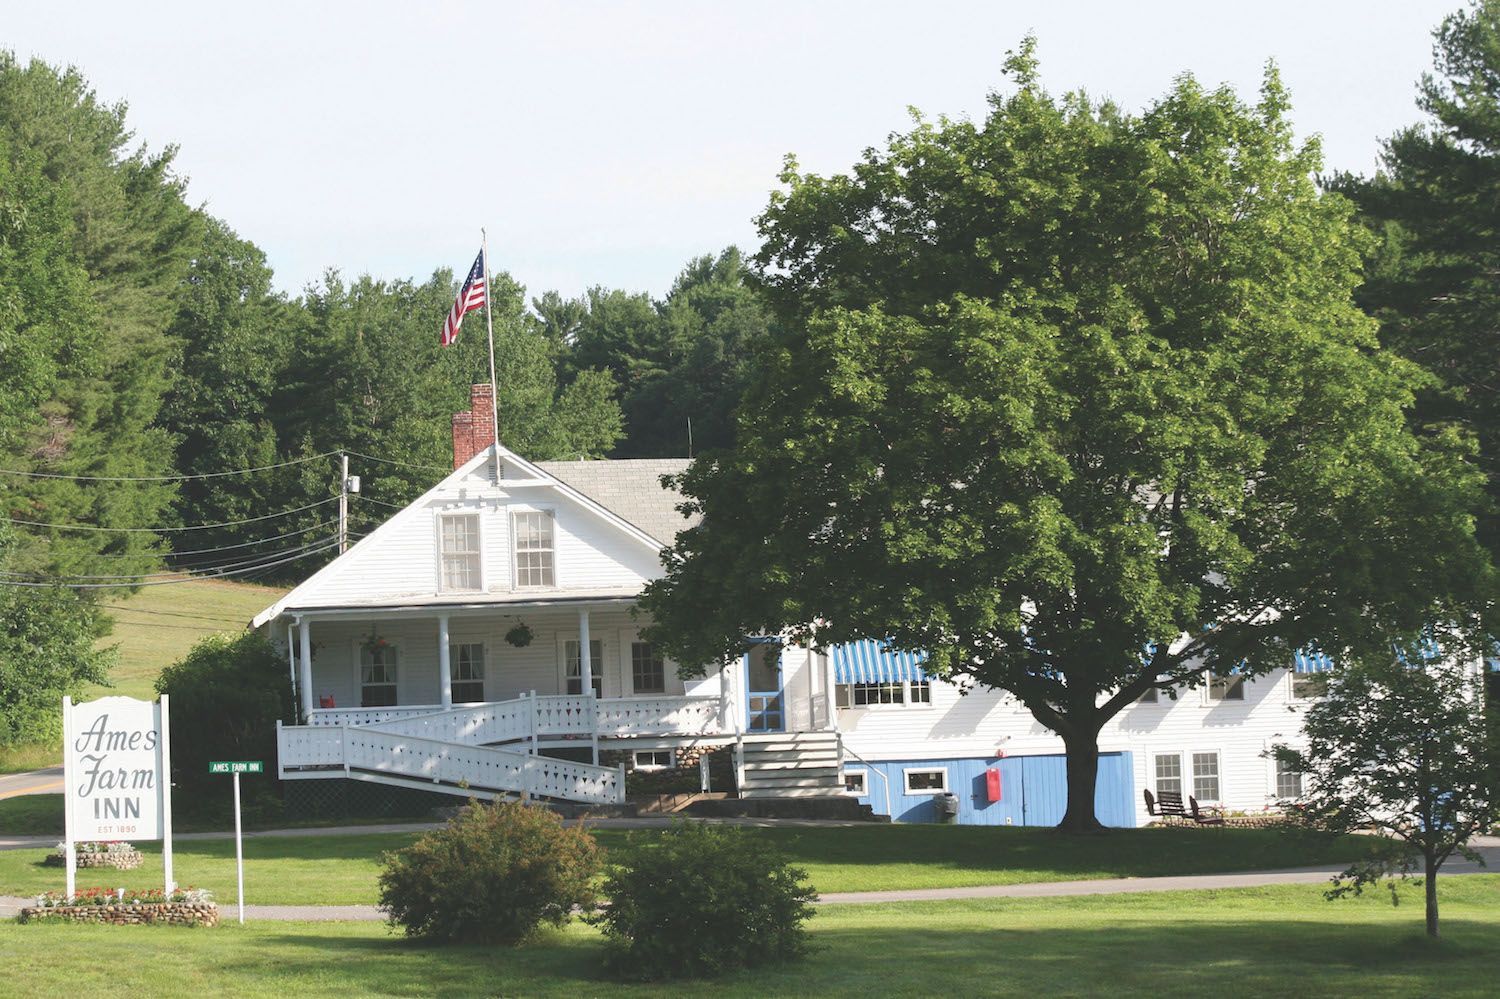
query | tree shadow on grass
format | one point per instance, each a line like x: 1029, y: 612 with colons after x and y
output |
x: 974, y: 950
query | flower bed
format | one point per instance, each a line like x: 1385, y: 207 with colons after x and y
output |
x: 183, y: 907
x: 120, y: 856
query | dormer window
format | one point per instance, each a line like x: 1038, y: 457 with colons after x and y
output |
x: 460, y: 551
x: 534, y: 548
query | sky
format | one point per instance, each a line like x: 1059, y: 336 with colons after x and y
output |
x: 610, y: 143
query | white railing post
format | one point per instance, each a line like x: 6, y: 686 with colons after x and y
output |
x: 280, y: 754
x: 620, y: 796
x: 535, y: 720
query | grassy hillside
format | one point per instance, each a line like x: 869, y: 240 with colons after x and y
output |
x: 153, y: 629
x: 158, y: 624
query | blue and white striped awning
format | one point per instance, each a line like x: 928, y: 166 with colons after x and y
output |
x: 871, y: 661
x: 1312, y: 661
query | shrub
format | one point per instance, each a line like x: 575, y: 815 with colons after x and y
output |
x: 701, y: 900
x: 493, y: 874
x: 227, y: 694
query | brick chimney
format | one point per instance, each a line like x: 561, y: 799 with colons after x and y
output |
x: 475, y: 430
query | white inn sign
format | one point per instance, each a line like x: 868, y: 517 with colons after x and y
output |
x: 116, y: 772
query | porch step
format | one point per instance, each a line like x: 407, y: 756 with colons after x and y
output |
x: 791, y: 765
x: 790, y: 762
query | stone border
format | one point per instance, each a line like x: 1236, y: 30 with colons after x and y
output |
x: 120, y: 860
x: 170, y: 913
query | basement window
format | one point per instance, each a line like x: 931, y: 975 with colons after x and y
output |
x: 854, y: 783
x: 652, y: 759
x: 934, y: 781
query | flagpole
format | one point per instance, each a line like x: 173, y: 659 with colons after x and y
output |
x: 489, y: 322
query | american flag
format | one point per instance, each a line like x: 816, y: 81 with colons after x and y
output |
x: 470, y: 297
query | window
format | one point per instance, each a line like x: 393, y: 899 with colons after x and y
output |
x: 864, y: 694
x: 1169, y: 774
x: 648, y: 672
x: 575, y: 666
x: 926, y: 781
x: 377, y: 676
x: 534, y: 551
x: 1226, y: 688
x: 854, y: 783
x: 920, y: 692
x: 1206, y: 776
x: 1149, y: 697
x: 460, y: 548
x: 467, y: 662
x: 652, y: 759
x: 1288, y: 780
x: 1309, y: 686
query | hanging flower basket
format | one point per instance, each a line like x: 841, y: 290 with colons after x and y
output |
x: 374, y: 643
x: 520, y: 636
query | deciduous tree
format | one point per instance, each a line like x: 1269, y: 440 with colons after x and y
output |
x: 1077, y: 402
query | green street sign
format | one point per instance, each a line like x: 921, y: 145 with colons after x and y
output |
x: 237, y: 767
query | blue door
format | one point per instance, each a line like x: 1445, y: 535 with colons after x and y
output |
x: 765, y: 709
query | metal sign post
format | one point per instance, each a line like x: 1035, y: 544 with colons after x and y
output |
x: 237, y: 767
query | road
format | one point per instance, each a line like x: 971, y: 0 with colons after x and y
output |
x: 49, y: 781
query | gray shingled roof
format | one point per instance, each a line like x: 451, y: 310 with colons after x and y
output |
x: 630, y: 488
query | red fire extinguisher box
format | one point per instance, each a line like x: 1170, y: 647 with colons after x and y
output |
x: 992, y: 784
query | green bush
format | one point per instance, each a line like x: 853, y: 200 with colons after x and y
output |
x: 226, y: 695
x: 701, y: 900
x: 493, y: 874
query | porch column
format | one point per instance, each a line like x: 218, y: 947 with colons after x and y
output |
x: 445, y: 667
x: 304, y: 642
x: 830, y: 683
x: 585, y: 660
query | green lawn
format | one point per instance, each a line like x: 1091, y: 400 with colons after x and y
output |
x: 153, y: 628
x: 1274, y: 941
x: 341, y: 869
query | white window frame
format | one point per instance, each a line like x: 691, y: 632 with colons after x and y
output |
x: 646, y: 693
x: 515, y: 570
x: 1190, y: 775
x: 906, y: 773
x: 1244, y: 697
x: 359, y: 672
x: 1273, y: 778
x: 636, y: 764
x: 1182, y: 772
x: 479, y: 537
x: 844, y: 697
x: 864, y: 783
x: 1291, y: 688
x: 484, y: 669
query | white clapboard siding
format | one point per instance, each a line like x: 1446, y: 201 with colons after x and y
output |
x: 398, y: 562
x: 985, y: 723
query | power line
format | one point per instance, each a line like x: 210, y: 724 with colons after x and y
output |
x: 173, y: 553
x: 393, y: 506
x: 168, y: 582
x: 173, y: 530
x: 403, y: 464
x: 164, y: 478
x: 251, y: 561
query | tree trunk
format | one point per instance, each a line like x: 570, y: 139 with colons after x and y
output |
x: 1430, y: 884
x: 1083, y: 778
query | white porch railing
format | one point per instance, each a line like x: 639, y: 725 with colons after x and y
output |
x: 627, y: 716
x: 471, y: 724
x: 369, y: 716
x: 565, y: 715
x: 330, y: 751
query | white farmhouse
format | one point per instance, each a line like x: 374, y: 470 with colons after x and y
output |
x: 482, y: 642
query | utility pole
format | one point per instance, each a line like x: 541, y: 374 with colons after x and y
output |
x: 343, y: 502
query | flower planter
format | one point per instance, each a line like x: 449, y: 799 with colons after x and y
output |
x: 182, y: 907
x: 127, y: 914
x: 119, y: 856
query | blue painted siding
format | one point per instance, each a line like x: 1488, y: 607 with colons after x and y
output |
x: 1033, y: 790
